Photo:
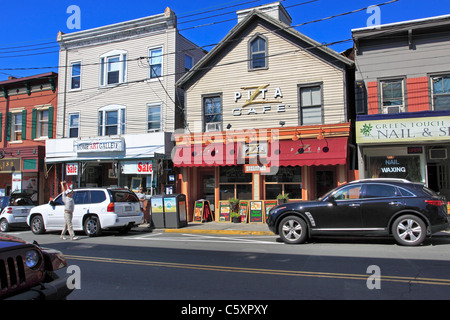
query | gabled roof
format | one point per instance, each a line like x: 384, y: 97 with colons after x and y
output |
x: 312, y: 46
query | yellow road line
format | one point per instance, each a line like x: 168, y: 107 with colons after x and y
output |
x: 293, y: 273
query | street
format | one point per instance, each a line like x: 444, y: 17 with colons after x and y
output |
x: 196, y: 267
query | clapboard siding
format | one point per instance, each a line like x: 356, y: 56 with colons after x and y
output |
x: 135, y: 94
x: 289, y: 67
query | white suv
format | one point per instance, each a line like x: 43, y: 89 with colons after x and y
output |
x: 95, y: 209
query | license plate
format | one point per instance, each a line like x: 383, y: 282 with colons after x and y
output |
x: 128, y: 208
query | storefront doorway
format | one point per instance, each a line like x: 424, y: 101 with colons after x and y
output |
x: 206, y: 186
x: 325, y: 181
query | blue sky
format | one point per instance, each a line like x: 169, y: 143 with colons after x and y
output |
x: 29, y: 28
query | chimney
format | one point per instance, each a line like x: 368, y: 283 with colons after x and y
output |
x: 12, y: 78
x: 274, y: 10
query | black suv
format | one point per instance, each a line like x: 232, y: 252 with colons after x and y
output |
x: 27, y: 271
x: 373, y: 207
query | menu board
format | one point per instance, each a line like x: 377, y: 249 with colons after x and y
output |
x: 198, y: 211
x: 269, y: 204
x: 224, y: 211
x: 243, y: 210
x: 256, y: 211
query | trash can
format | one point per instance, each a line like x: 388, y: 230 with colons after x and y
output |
x: 157, y: 209
x: 175, y: 213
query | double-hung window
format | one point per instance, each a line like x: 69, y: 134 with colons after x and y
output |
x: 212, y: 113
x: 154, y: 117
x: 441, y: 92
x: 311, y: 106
x: 258, y: 53
x: 76, y: 75
x: 17, y: 126
x: 113, y: 68
x: 392, y: 96
x: 42, y: 123
x: 74, y: 124
x: 111, y: 120
x: 155, y: 62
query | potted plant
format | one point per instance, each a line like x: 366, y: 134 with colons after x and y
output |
x: 283, y: 198
x: 234, y: 204
x: 235, y: 217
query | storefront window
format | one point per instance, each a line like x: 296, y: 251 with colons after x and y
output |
x: 403, y: 167
x: 288, y: 180
x: 233, y: 182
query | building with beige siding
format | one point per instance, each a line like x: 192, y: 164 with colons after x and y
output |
x: 268, y: 112
x: 118, y: 102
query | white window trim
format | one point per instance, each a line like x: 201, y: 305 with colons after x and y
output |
x: 71, y: 75
x: 123, y: 68
x: 439, y: 75
x: 112, y: 107
x: 79, y: 122
x: 13, y: 131
x: 150, y: 105
x: 383, y: 109
x: 150, y: 79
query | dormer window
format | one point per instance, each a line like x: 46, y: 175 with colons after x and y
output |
x: 258, y: 53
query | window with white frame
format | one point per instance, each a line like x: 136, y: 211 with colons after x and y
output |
x: 113, y: 68
x: 74, y: 125
x: 76, y: 75
x: 392, y: 96
x: 42, y: 123
x: 311, y: 107
x: 153, y: 117
x: 155, y: 62
x: 17, y: 126
x: 441, y: 92
x: 111, y: 120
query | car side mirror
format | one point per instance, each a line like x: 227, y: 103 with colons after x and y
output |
x: 331, y: 199
x: 51, y: 203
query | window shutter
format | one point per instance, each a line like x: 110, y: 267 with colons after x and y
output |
x: 24, y: 124
x: 33, y: 123
x: 50, y: 122
x: 8, y: 126
x: 1, y: 126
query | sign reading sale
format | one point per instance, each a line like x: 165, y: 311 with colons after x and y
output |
x: 72, y: 169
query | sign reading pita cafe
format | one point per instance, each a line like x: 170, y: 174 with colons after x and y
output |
x: 89, y: 146
x: 403, y: 127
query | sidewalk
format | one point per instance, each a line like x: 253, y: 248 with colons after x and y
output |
x: 255, y: 229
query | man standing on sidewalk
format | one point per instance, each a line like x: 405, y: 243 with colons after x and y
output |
x: 68, y: 211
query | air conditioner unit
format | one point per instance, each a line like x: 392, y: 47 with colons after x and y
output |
x: 438, y: 153
x: 393, y: 109
x: 213, y: 126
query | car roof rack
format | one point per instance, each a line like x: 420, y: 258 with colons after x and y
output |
x: 382, y: 179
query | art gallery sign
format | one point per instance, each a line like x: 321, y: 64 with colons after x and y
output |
x: 395, y: 130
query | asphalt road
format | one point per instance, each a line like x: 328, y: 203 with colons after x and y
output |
x: 196, y: 268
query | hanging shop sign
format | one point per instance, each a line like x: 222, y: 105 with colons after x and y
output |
x: 109, y: 145
x: 260, y: 100
x: 71, y: 169
x: 403, y: 130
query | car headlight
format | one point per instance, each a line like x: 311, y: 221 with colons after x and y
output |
x: 32, y: 258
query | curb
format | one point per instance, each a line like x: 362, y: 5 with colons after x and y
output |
x: 228, y: 232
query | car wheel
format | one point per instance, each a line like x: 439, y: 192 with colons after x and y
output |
x: 92, y: 226
x: 409, y: 230
x: 37, y: 225
x: 293, y: 230
x: 4, y: 225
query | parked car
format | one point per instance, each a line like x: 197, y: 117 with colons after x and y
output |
x: 14, y: 210
x: 27, y: 271
x: 373, y: 207
x: 95, y: 209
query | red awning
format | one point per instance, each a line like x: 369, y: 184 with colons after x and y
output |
x: 311, y: 152
x: 201, y: 155
x: 303, y: 152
